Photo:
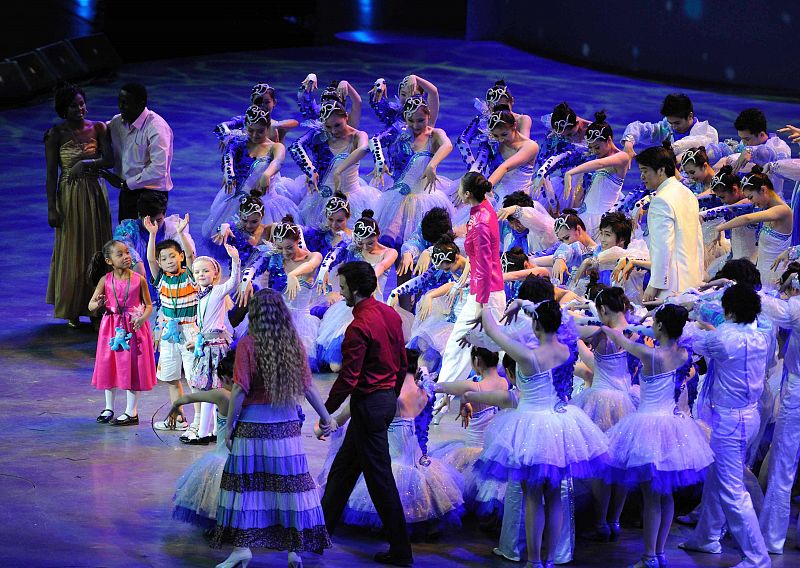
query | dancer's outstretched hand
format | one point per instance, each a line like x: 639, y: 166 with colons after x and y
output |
x: 792, y: 131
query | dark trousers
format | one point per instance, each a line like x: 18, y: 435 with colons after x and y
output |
x: 128, y: 199
x: 366, y: 450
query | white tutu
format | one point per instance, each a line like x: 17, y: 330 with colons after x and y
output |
x: 484, y: 496
x: 427, y: 492
x: 542, y: 440
x: 434, y: 331
x: 331, y: 333
x: 608, y: 400
x: 658, y: 444
x: 197, y: 489
x: 307, y: 325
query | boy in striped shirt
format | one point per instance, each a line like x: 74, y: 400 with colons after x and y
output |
x: 176, y: 327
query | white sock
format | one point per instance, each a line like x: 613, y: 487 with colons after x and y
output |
x: 197, y: 409
x: 132, y: 402
x: 109, y: 400
x: 207, y: 419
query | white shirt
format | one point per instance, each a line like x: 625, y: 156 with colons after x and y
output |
x: 143, y: 151
x: 676, y: 238
x: 739, y: 353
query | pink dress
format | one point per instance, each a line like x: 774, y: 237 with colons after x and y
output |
x: 129, y: 369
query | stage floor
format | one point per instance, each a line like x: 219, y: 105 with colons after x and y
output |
x: 80, y: 494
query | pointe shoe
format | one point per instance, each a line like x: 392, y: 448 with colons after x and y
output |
x: 688, y: 520
x: 646, y: 562
x: 238, y: 558
x: 532, y: 564
x: 710, y: 548
x: 295, y: 561
x: 662, y: 560
x: 602, y: 533
x: 613, y: 531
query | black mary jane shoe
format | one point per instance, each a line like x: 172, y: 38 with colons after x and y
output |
x: 107, y: 418
x: 196, y: 441
x: 127, y: 421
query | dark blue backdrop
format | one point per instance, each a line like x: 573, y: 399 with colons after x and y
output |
x: 731, y: 42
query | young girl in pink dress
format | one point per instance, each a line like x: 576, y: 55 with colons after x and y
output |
x: 125, y: 357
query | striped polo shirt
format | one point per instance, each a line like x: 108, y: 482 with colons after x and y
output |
x: 178, y: 295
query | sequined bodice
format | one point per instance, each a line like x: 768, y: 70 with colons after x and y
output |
x: 403, y: 445
x: 657, y: 393
x: 537, y: 391
x: 611, y: 371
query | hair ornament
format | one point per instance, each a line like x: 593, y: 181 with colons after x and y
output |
x: 438, y: 257
x: 494, y: 94
x: 748, y: 180
x: 254, y: 115
x: 560, y: 223
x: 327, y: 109
x: 560, y: 126
x: 210, y: 259
x: 364, y: 230
x: 717, y: 180
x: 413, y: 104
x: 596, y: 134
x: 494, y: 119
x: 689, y: 156
x: 259, y: 90
x: 250, y: 206
x: 281, y: 230
x: 335, y: 204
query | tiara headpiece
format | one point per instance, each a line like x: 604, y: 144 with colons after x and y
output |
x: 335, y: 204
x: 438, y: 257
x: 494, y: 94
x: 254, y: 115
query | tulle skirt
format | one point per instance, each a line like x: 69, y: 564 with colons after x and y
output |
x: 427, y: 493
x: 401, y: 208
x: 225, y: 208
x: 668, y: 450
x: 331, y: 333
x: 482, y: 496
x: 605, y: 407
x: 542, y: 446
x: 197, y: 489
x: 307, y: 327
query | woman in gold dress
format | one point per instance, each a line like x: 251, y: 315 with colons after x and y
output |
x: 77, y: 204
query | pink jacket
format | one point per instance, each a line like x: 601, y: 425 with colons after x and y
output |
x: 482, y: 244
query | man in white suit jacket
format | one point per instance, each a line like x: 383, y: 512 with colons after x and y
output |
x: 673, y: 221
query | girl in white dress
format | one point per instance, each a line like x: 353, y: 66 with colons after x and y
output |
x: 609, y: 169
x: 658, y: 447
x: 777, y: 222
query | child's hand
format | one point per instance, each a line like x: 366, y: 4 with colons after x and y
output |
x: 139, y: 322
x: 172, y: 419
x: 100, y: 300
x: 183, y: 224
x: 232, y: 251
x: 151, y: 227
x: 190, y: 345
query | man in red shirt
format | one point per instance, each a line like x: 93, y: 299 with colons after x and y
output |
x: 373, y: 369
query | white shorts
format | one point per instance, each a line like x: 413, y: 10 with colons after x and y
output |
x: 173, y: 357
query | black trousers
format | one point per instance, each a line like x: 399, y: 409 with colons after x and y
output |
x: 128, y: 199
x: 366, y: 450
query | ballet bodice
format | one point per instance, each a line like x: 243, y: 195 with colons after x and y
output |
x: 603, y: 192
x: 658, y: 393
x: 411, y: 164
x: 478, y: 425
x: 222, y: 431
x: 349, y: 179
x: 246, y: 170
x: 518, y: 179
x: 771, y: 243
x: 403, y: 444
x: 537, y: 391
x: 306, y: 297
x: 611, y: 371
